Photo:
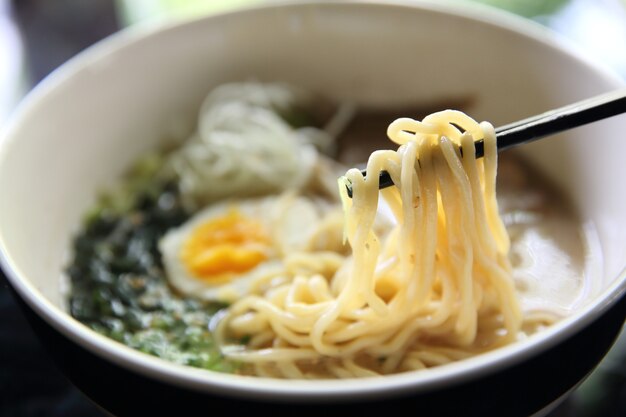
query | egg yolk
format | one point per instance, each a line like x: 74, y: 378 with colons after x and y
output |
x: 224, y: 246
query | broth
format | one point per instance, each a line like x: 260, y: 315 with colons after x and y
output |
x: 119, y: 285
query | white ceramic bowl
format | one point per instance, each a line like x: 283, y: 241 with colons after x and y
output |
x: 81, y: 127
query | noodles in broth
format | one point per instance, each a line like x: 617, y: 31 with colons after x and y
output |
x: 435, y: 289
x: 234, y: 252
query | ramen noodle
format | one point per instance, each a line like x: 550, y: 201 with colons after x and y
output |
x: 437, y: 287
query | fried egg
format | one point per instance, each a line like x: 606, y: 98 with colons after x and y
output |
x: 220, y: 252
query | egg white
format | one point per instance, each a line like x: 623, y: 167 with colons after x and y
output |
x: 290, y: 220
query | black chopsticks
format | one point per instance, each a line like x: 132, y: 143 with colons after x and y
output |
x: 545, y: 124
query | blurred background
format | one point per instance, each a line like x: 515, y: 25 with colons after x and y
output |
x: 36, y: 36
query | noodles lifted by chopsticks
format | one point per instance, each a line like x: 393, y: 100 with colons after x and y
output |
x: 436, y: 288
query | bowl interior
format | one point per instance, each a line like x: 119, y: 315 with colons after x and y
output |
x: 85, y: 124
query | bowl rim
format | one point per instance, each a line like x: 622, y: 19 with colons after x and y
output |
x: 321, y: 390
